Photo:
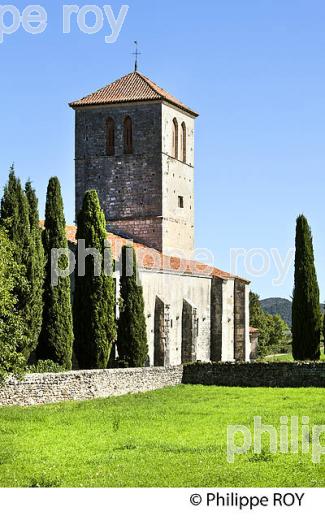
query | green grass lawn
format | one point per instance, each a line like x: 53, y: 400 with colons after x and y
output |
x: 174, y: 437
x: 286, y: 357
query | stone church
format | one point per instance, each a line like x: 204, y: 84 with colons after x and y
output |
x: 134, y: 144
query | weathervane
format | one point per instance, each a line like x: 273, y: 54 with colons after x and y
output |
x: 136, y: 54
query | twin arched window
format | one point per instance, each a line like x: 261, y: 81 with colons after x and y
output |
x: 175, y: 146
x: 127, y: 136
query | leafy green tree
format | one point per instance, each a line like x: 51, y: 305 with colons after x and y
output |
x: 132, y: 341
x: 278, y: 330
x: 56, y: 336
x: 306, y: 315
x: 11, y: 322
x: 255, y: 308
x: 94, y: 299
x: 258, y: 319
x: 272, y: 329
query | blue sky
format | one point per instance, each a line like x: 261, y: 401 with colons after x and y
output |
x: 255, y: 71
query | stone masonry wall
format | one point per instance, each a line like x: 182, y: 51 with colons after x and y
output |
x: 139, y: 192
x: 172, y: 289
x: 256, y: 374
x: 129, y: 186
x: 92, y: 384
x: 177, y: 181
x: 86, y: 384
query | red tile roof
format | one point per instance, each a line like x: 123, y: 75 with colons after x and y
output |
x: 130, y: 88
x: 149, y: 258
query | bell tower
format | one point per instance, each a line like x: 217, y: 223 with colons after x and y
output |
x: 134, y: 144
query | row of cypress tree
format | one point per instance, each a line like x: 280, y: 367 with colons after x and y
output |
x: 54, y: 328
x: 95, y: 326
x: 306, y: 313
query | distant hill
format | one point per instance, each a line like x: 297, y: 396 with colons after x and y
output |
x: 281, y: 306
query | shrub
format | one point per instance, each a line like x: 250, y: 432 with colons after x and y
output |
x: 44, y: 366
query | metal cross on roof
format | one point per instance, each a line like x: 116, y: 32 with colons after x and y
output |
x: 136, y: 54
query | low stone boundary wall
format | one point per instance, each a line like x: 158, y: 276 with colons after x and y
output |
x: 92, y: 384
x: 256, y: 374
x: 86, y: 384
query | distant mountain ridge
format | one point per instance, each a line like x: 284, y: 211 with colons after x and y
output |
x: 281, y: 306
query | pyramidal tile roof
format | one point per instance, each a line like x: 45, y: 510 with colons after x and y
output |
x: 133, y: 87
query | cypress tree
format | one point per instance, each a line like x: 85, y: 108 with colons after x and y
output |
x: 132, y: 342
x: 11, y: 323
x: 57, y: 334
x: 35, y: 266
x: 15, y: 221
x: 94, y: 299
x: 15, y: 217
x: 306, y: 315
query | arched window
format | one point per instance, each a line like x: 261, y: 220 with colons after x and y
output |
x: 175, y: 139
x: 110, y: 136
x: 128, y: 138
x: 183, y: 142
